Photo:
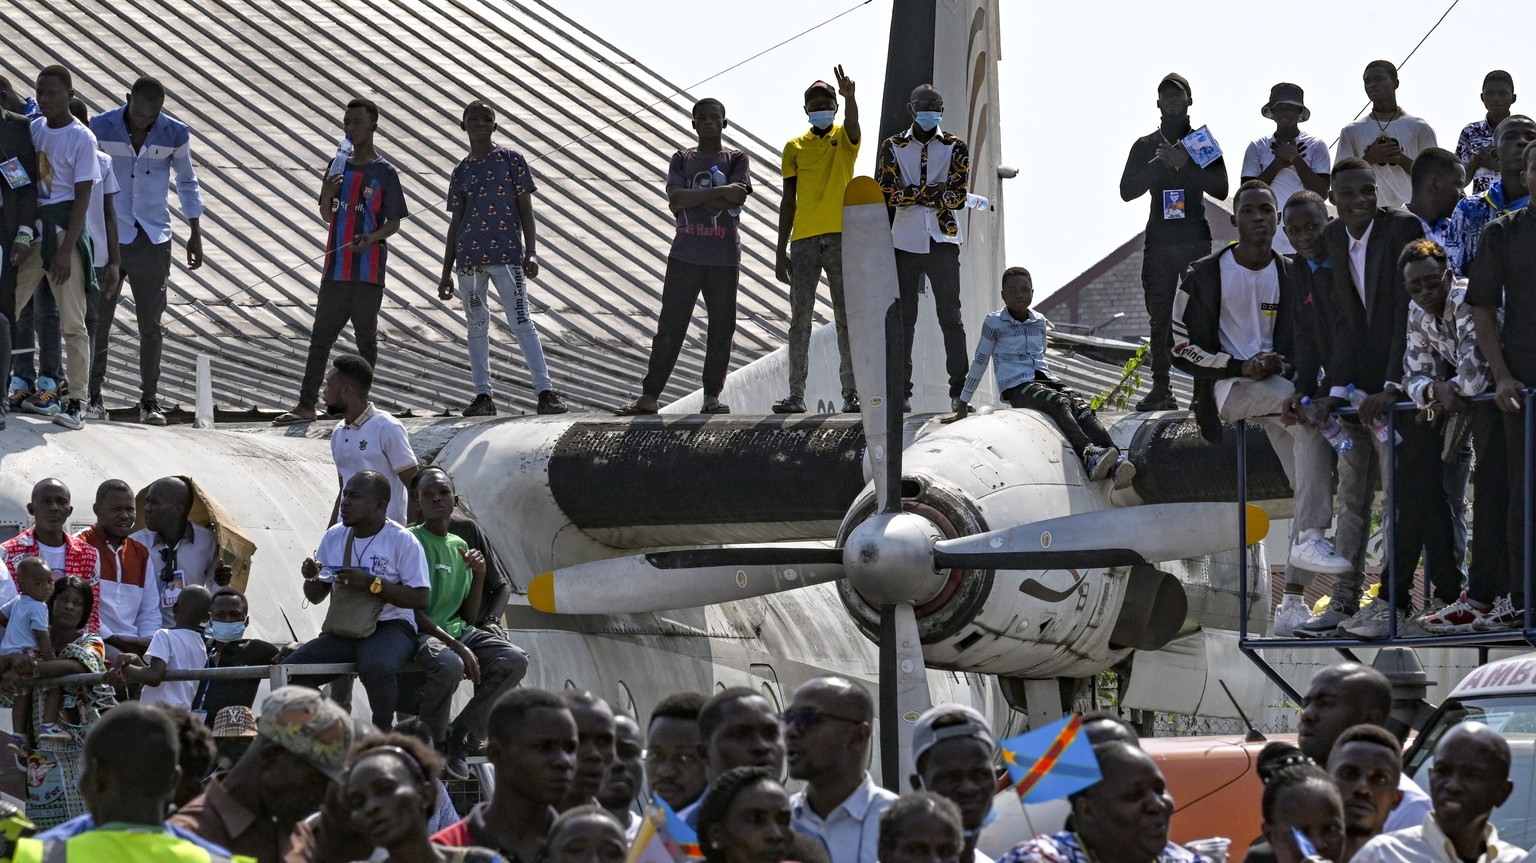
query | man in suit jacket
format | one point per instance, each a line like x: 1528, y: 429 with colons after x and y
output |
x: 1235, y: 321
x: 1369, y: 307
x: 18, y: 213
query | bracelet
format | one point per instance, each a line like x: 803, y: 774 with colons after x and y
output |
x: 23, y: 238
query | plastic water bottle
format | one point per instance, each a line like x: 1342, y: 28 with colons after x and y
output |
x: 718, y: 176
x: 1379, y: 427
x: 343, y: 155
x: 977, y: 202
x: 1327, y: 425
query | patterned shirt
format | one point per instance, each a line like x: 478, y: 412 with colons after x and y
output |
x: 1469, y: 219
x: 908, y: 169
x: 1443, y: 348
x: 1475, y: 138
x: 370, y: 196
x: 485, y: 190
x: 1015, y: 348
x: 1064, y: 847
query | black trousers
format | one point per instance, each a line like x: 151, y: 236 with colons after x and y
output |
x: 338, y: 303
x: 1493, y: 484
x: 1069, y: 410
x: 145, y: 267
x: 941, y: 264
x: 684, y: 284
x: 1423, y: 527
x: 1162, y: 265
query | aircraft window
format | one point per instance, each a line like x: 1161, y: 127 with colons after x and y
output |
x: 9, y: 529
x: 571, y: 684
x: 627, y: 701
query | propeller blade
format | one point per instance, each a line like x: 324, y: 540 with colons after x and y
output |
x: 1111, y: 537
x: 872, y: 306
x: 668, y: 580
x: 903, y: 690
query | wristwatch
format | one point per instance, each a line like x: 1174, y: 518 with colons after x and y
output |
x: 377, y: 586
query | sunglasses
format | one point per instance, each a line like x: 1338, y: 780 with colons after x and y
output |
x: 805, y: 718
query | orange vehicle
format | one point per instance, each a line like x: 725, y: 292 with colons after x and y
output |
x: 1215, y: 787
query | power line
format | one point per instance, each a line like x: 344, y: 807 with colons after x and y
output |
x: 1422, y: 40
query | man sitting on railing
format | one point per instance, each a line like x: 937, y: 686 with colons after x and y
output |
x: 1235, y: 321
x: 1442, y: 368
x: 1504, y: 281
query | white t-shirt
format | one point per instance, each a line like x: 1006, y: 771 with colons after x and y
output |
x: 1314, y: 151
x: 53, y: 555
x: 1414, y: 136
x: 1250, y: 302
x: 65, y: 156
x: 180, y: 649
x: 377, y: 441
x: 96, y: 217
x: 392, y: 554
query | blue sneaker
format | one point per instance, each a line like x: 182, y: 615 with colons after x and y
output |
x: 1099, y: 461
x: 44, y: 400
x: 18, y: 393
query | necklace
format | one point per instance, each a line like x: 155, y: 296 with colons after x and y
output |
x: 359, y: 556
x: 1382, y: 127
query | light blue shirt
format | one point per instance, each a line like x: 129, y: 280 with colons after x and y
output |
x: 1015, y: 348
x: 26, y: 616
x: 145, y: 176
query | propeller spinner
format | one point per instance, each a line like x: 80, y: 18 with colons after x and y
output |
x: 896, y: 560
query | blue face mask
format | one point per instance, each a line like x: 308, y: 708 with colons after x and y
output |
x: 929, y: 120
x: 821, y: 119
x: 221, y: 630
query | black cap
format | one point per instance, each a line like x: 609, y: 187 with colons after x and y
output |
x: 1286, y: 94
x: 1177, y: 80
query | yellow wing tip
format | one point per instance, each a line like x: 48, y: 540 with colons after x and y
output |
x: 1258, y: 523
x: 541, y: 593
x: 861, y: 191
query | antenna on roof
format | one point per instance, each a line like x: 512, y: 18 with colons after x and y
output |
x: 1254, y: 736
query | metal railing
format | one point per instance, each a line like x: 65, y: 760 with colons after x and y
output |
x: 1250, y: 645
x: 278, y: 675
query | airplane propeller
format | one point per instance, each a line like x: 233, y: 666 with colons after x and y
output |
x: 896, y: 560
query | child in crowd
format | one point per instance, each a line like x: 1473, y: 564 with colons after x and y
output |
x: 179, y: 648
x: 1013, y: 341
x: 25, y: 618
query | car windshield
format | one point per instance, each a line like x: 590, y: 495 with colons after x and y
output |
x: 1513, y: 716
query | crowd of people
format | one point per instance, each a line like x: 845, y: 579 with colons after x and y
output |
x: 571, y: 780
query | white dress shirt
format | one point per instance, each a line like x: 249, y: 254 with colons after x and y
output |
x: 1427, y: 844
x: 852, y: 829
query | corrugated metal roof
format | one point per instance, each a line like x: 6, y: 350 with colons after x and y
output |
x: 264, y: 86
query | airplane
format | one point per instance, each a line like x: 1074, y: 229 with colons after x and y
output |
x: 624, y: 535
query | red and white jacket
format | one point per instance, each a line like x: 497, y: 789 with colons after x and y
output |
x: 129, y: 603
x: 80, y: 560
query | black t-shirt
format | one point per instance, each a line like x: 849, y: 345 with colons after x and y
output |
x: 469, y: 530
x: 224, y: 693
x: 1191, y: 182
x: 1504, y: 274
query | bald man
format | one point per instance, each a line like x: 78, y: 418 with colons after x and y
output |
x: 1345, y: 695
x: 181, y: 552
x: 594, y: 747
x: 1468, y: 779
x: 827, y: 732
x: 49, y: 539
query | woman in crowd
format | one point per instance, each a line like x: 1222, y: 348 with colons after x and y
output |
x: 1303, y: 799
x: 391, y: 791
x: 586, y: 834
x: 745, y: 818
x: 53, y: 770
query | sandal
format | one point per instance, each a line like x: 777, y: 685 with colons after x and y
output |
x: 291, y: 418
x: 713, y: 405
x: 633, y: 409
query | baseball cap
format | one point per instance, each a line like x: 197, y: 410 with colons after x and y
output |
x: 971, y: 724
x: 309, y: 725
x: 1177, y: 80
x: 236, y: 720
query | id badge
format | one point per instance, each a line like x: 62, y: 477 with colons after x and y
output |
x: 173, y: 589
x: 14, y: 173
x: 1173, y: 203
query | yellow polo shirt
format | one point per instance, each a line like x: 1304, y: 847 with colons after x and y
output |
x: 822, y: 166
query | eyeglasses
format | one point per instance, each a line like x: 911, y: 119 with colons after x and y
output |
x: 806, y: 718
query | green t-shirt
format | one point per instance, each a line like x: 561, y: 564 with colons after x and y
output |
x: 451, y: 578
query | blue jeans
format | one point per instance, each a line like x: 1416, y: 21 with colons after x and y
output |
x: 40, y: 318
x: 512, y: 288
x: 379, y: 658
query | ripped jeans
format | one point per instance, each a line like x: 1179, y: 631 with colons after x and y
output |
x: 511, y: 287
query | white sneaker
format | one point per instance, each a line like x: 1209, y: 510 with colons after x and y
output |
x: 72, y: 416
x: 1317, y: 555
x: 1289, y: 614
x: 1324, y: 624
x: 1124, y: 472
x: 1373, y: 621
